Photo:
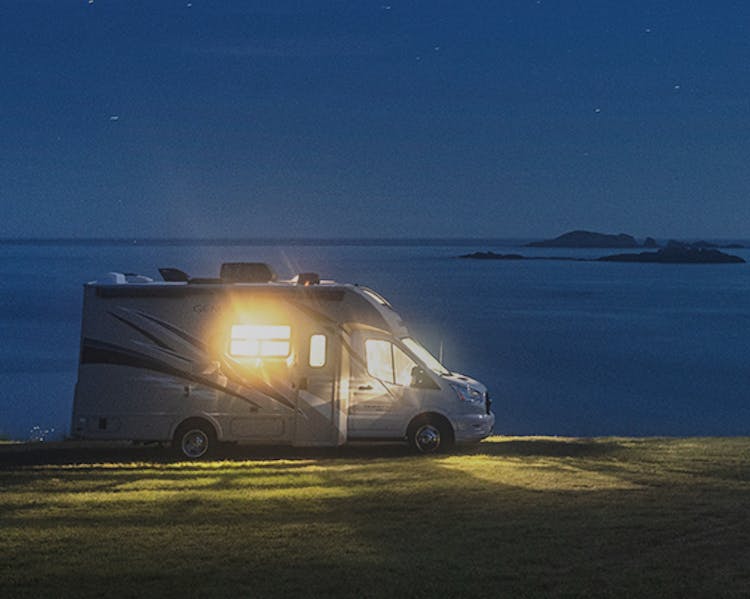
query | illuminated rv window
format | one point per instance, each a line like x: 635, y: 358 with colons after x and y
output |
x: 260, y: 341
x: 402, y: 367
x: 388, y: 362
x: 379, y: 359
x: 317, y: 351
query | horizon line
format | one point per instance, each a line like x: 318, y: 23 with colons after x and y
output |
x: 130, y: 241
x: 217, y: 241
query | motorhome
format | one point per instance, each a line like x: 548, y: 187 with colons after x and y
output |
x: 248, y: 358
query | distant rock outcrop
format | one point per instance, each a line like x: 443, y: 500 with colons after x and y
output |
x: 591, y: 239
x: 677, y: 253
x: 492, y: 256
x: 587, y: 239
x: 698, y: 244
x: 703, y: 244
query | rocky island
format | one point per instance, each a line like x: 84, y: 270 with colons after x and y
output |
x: 677, y: 253
x: 592, y: 239
x: 674, y: 253
x: 587, y: 239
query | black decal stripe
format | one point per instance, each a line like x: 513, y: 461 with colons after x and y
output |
x: 98, y: 352
x: 143, y: 332
x: 179, y: 332
x: 174, y: 354
x: 230, y: 372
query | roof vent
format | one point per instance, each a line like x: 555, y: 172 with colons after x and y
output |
x: 307, y: 278
x: 174, y: 275
x: 246, y: 272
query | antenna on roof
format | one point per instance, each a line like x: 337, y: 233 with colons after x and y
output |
x: 307, y: 278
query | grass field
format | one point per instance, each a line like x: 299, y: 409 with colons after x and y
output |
x: 512, y: 517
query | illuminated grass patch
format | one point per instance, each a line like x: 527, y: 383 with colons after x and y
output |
x: 513, y: 517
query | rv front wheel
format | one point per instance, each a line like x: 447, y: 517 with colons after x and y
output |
x: 195, y: 440
x: 430, y: 435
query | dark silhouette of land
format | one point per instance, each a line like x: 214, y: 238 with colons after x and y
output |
x: 592, y: 239
x: 677, y: 255
x: 674, y: 253
x: 587, y: 239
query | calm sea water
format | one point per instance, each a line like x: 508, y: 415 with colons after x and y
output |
x: 566, y: 348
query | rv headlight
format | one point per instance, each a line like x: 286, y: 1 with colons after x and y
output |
x: 466, y: 393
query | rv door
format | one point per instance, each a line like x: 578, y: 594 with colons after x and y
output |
x: 378, y: 385
x: 317, y: 420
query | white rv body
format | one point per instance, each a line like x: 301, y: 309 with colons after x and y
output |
x: 261, y: 362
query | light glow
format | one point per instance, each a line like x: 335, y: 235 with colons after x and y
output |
x: 388, y: 362
x: 402, y: 367
x: 256, y: 341
x: 379, y: 359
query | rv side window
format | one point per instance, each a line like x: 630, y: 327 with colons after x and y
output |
x: 379, y: 359
x: 403, y: 366
x: 388, y: 362
x: 260, y: 341
x: 317, y: 351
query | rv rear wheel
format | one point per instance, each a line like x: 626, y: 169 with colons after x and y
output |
x: 195, y: 440
x: 430, y: 434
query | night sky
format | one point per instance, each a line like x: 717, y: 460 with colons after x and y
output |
x: 376, y: 119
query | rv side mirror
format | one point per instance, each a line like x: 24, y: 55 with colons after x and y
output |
x: 420, y: 379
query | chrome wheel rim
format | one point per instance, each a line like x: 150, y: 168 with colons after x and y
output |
x: 194, y: 443
x: 427, y: 438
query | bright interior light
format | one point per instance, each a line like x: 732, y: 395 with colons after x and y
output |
x: 317, y: 351
x: 244, y: 347
x: 402, y: 367
x: 379, y: 359
x: 254, y: 340
x: 260, y: 331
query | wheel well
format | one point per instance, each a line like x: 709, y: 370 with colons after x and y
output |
x: 196, y: 422
x: 435, y: 417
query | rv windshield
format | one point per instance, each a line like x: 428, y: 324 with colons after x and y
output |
x: 427, y: 358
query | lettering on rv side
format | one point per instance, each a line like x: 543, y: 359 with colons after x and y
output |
x: 206, y: 308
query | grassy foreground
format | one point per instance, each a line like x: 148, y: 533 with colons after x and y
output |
x: 513, y: 517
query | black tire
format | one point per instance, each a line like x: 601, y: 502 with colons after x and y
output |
x: 195, y: 440
x: 430, y: 434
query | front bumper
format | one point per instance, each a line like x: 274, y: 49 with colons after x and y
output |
x: 470, y: 428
